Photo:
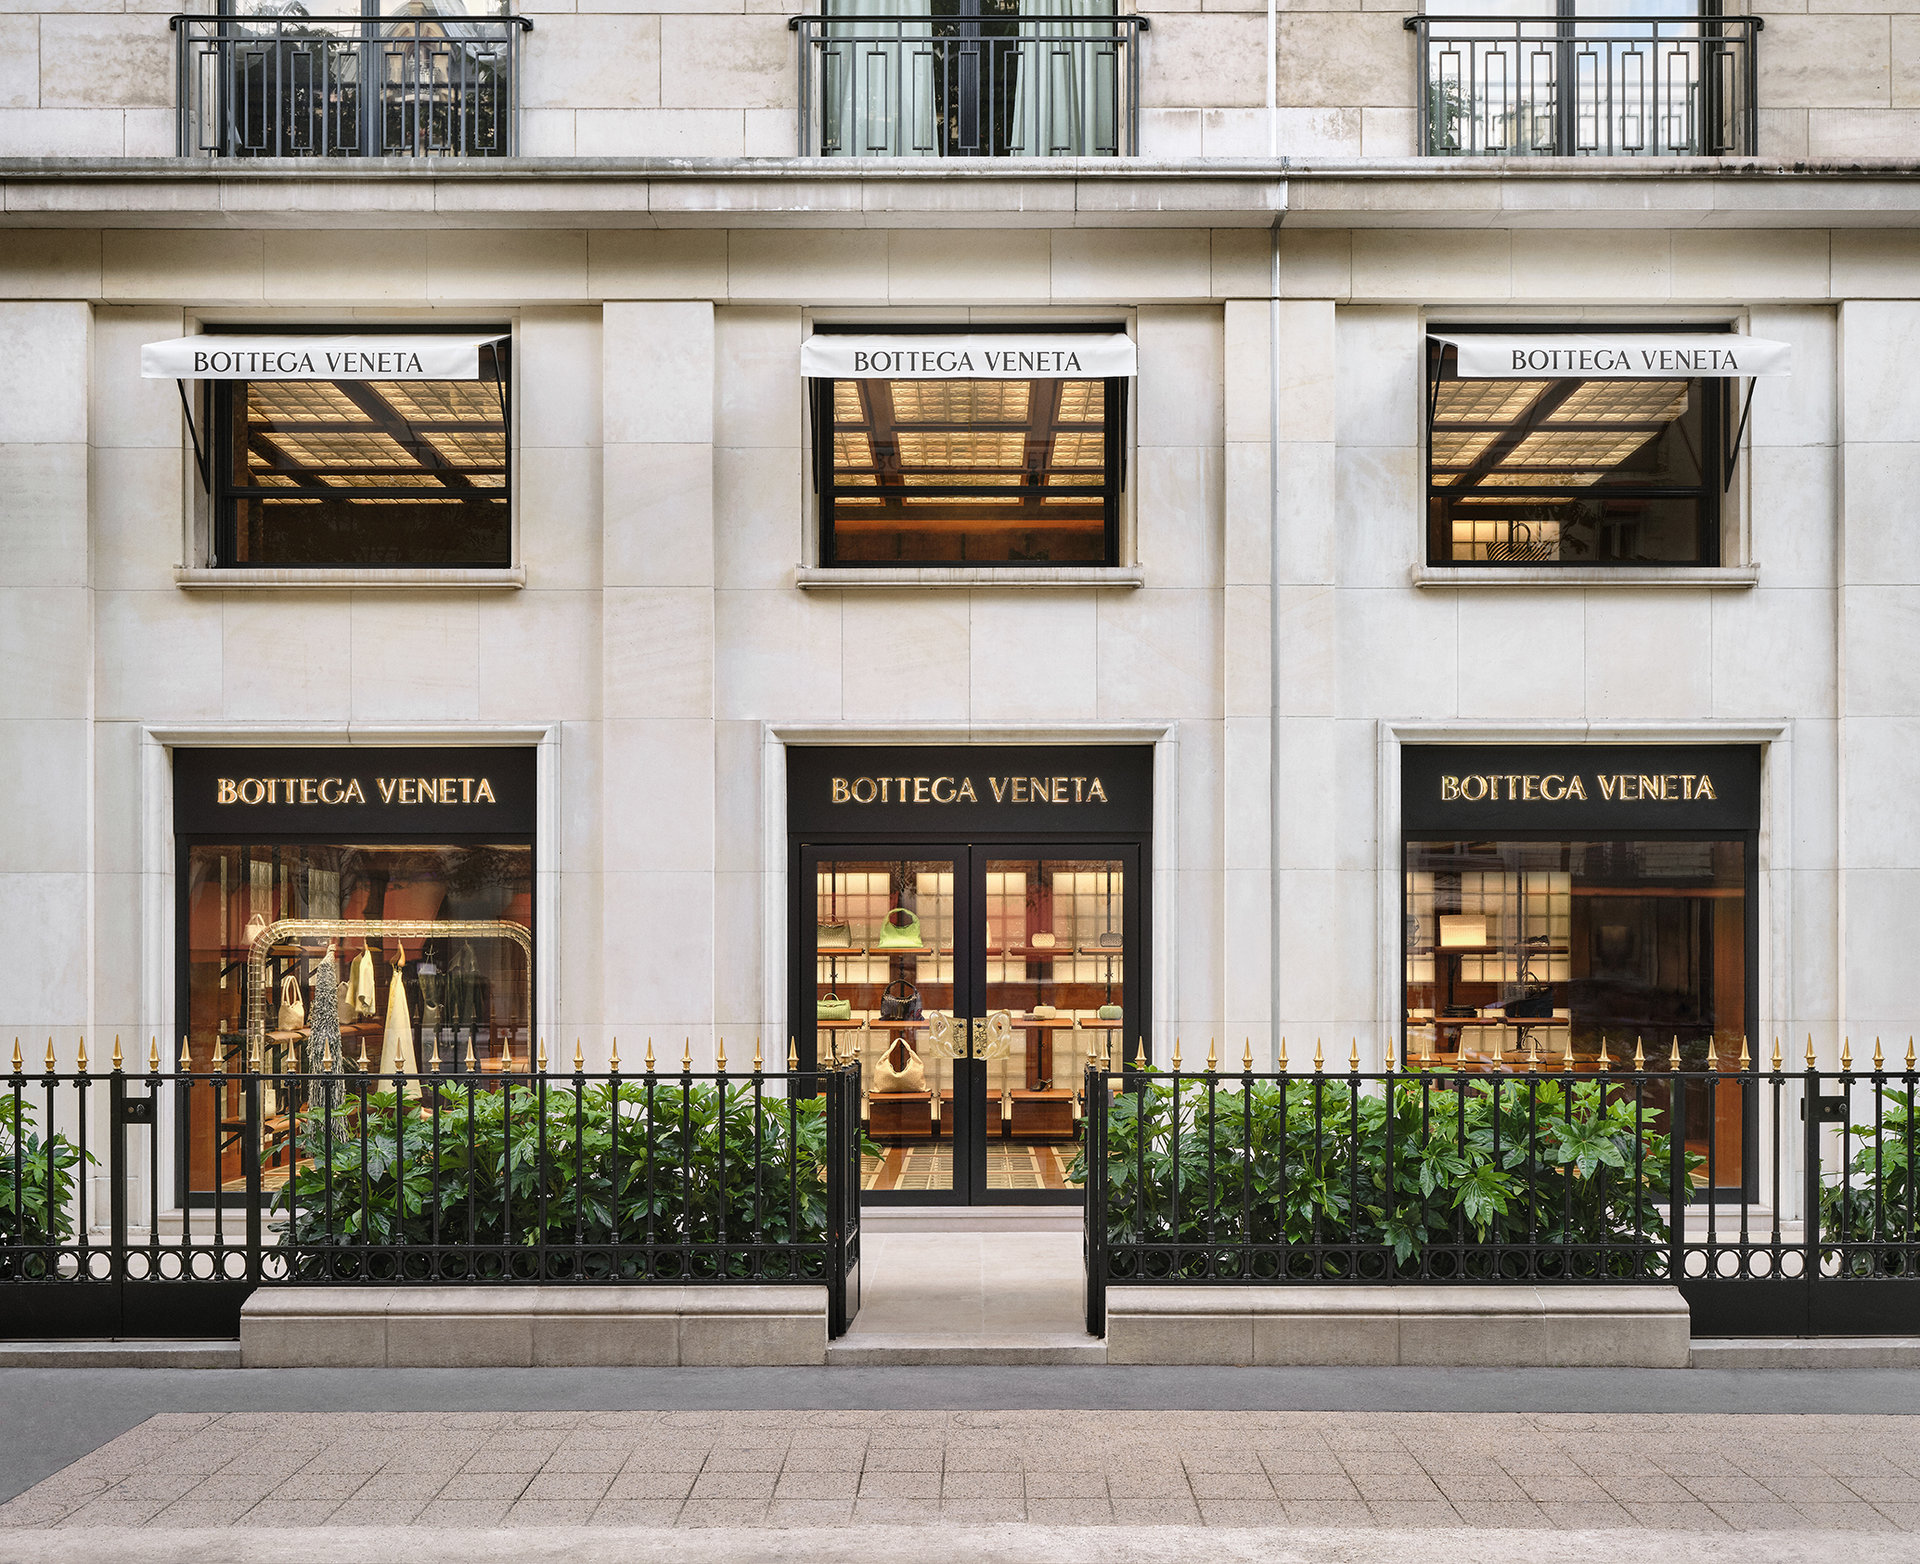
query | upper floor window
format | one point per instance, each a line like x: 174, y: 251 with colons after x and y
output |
x: 969, y: 78
x: 367, y: 78
x: 353, y: 451
x: 919, y: 467
x: 1623, y: 462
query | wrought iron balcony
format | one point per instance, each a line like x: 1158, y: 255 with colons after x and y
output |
x: 360, y: 86
x: 995, y: 85
x: 1587, y: 86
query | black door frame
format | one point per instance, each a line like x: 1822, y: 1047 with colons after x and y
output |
x: 969, y: 851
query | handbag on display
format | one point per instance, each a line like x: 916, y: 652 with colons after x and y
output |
x: 256, y: 926
x: 1041, y: 940
x: 1043, y: 1012
x: 1109, y: 1013
x: 901, y: 1006
x: 831, y: 1007
x: 293, y: 1005
x: 909, y: 1076
x: 899, y: 936
x: 1530, y: 1004
x: 834, y: 936
x: 1109, y: 939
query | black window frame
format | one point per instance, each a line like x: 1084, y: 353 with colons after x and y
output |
x: 224, y: 495
x: 1111, y: 490
x: 1716, y: 457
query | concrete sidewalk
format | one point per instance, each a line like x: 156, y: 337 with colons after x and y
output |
x: 1566, y: 1473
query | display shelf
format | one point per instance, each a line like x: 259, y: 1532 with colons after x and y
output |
x: 832, y: 951
x: 1039, y: 952
x: 1062, y: 1024
x: 1103, y: 950
x: 902, y: 950
x: 1489, y: 950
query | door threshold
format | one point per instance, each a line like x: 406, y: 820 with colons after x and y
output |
x: 904, y: 1350
x: 972, y: 1219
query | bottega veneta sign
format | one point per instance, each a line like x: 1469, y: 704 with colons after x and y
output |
x: 950, y: 787
x: 355, y: 789
x: 1583, y: 787
x: 1080, y: 355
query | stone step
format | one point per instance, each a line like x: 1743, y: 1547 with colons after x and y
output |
x: 971, y: 1219
x: 120, y: 1353
x: 878, y: 1350
x: 1806, y: 1352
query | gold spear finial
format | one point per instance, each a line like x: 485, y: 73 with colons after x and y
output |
x: 1353, y: 1055
x: 18, y: 1060
x: 649, y: 1058
x: 472, y: 1065
x: 1283, y: 1053
x: 1319, y: 1058
x: 1713, y: 1058
x: 1909, y: 1053
x: 1879, y: 1060
x: 1213, y: 1059
x: 83, y: 1056
x: 118, y: 1063
x: 153, y: 1054
x: 759, y: 1063
x: 1746, y: 1057
x: 1176, y: 1054
x: 1846, y: 1053
x: 613, y: 1060
x: 686, y: 1055
x: 793, y: 1055
x: 326, y: 1058
x: 579, y: 1056
x: 1566, y: 1059
x: 1533, y: 1054
x: 365, y: 1064
x: 543, y: 1056
x: 1810, y: 1053
x: 1246, y: 1057
x: 1604, y: 1062
x: 1639, y: 1056
x: 1673, y: 1058
x: 720, y: 1055
x: 1778, y: 1058
x: 51, y: 1064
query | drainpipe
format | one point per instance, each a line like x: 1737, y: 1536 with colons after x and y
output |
x: 1273, y: 607
x: 1273, y: 93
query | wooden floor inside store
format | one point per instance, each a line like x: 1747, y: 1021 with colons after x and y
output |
x: 1009, y: 1166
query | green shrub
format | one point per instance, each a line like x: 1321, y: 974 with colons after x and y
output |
x: 515, y: 1167
x: 36, y: 1188
x: 1874, y: 1202
x: 1476, y: 1162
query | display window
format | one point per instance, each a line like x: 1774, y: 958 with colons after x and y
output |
x: 1534, y: 948
x: 364, y: 472
x: 1565, y: 471
x: 309, y: 951
x: 992, y: 450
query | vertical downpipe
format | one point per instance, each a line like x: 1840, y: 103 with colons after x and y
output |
x: 1273, y: 604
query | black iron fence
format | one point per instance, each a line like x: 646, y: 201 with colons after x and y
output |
x: 361, y: 86
x: 1589, y: 86
x: 1791, y: 1212
x: 347, y: 1176
x: 983, y: 86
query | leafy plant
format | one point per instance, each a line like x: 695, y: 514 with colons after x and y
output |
x: 37, y: 1175
x: 1871, y: 1204
x: 599, y: 1180
x: 1435, y: 1175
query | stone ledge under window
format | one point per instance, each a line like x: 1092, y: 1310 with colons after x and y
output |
x: 201, y: 578
x: 1125, y: 578
x: 1586, y: 577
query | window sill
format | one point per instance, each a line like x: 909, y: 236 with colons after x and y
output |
x: 203, y: 578
x: 1738, y: 578
x: 815, y: 578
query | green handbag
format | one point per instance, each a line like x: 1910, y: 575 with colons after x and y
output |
x: 896, y: 936
x: 833, y: 1008
x: 1110, y: 1013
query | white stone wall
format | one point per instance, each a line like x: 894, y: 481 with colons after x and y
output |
x: 681, y: 78
x: 661, y: 476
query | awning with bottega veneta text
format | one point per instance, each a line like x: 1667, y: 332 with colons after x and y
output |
x: 1626, y: 355
x: 436, y: 356
x: 1065, y: 355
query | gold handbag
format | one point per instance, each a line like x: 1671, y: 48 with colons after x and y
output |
x: 910, y: 1076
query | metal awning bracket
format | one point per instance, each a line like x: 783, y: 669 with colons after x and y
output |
x: 1739, y: 434
x: 200, y: 458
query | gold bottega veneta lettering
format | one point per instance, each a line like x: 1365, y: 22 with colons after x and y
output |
x: 845, y: 790
x: 347, y: 790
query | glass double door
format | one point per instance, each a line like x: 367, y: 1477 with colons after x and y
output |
x: 972, y: 984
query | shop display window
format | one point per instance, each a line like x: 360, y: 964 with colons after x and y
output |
x: 1573, y: 472
x: 456, y: 996
x: 969, y: 472
x: 363, y: 473
x: 1539, y: 954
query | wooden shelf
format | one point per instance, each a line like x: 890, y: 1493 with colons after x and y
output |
x: 1489, y: 950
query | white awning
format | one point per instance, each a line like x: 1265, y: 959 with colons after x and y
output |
x: 1062, y: 355
x: 384, y: 357
x: 1626, y: 355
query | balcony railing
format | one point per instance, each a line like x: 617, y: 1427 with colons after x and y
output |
x: 1495, y: 86
x: 980, y: 86
x: 312, y: 86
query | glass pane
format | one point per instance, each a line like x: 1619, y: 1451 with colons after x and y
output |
x: 1056, y: 973
x: 1571, y: 471
x: 362, y: 472
x: 970, y: 471
x: 414, y: 1004
x: 1552, y: 949
x: 883, y: 986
